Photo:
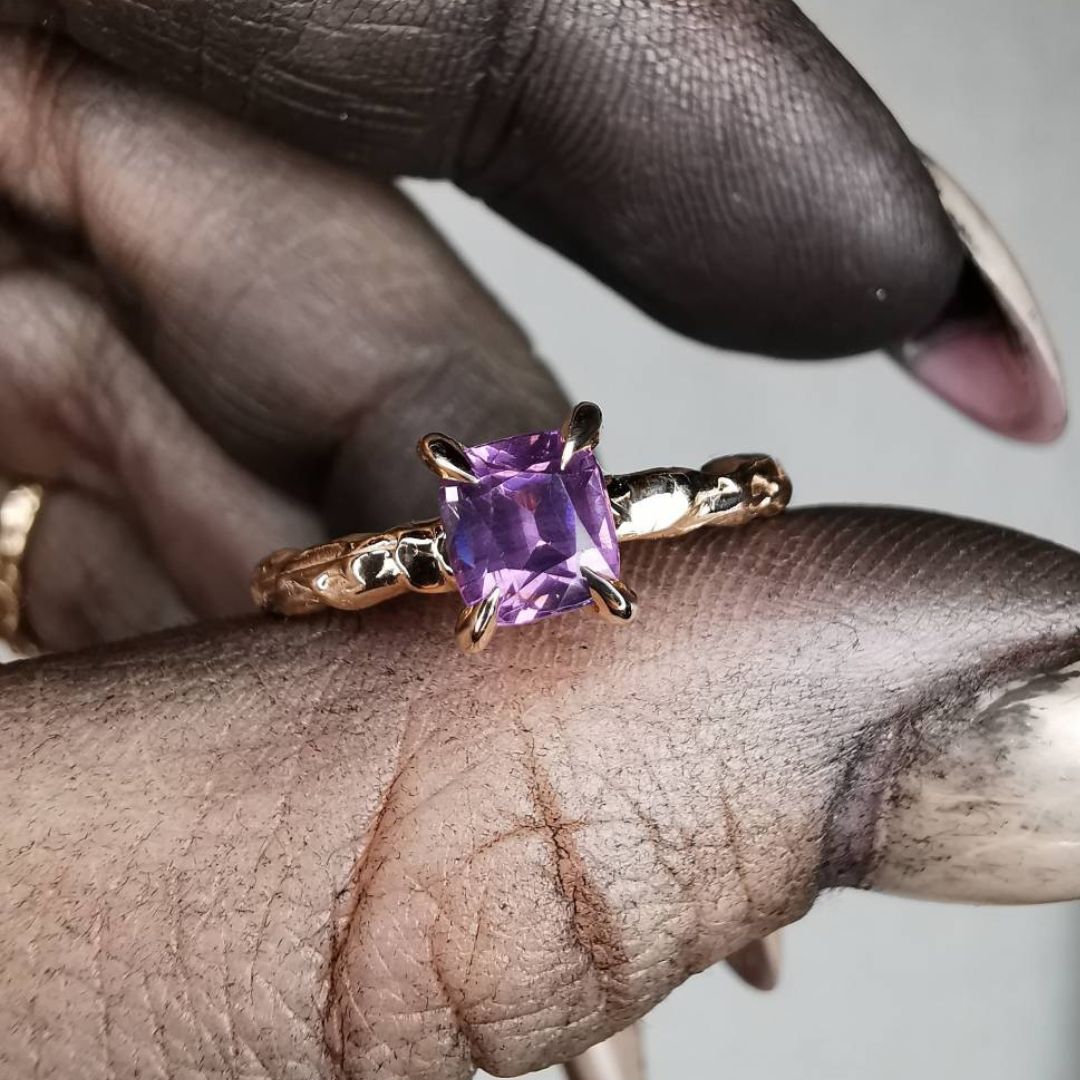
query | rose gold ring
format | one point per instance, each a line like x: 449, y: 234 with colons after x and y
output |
x: 19, y: 510
x: 529, y: 527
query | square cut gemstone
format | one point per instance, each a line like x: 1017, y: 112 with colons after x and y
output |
x: 529, y: 527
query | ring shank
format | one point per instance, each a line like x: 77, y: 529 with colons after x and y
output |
x: 357, y: 572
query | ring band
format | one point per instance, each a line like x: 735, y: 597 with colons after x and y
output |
x: 19, y: 510
x: 530, y: 527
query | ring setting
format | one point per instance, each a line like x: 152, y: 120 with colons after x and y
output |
x: 529, y: 528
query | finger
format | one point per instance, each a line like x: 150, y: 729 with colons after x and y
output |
x: 383, y: 345
x: 722, y: 165
x: 310, y: 321
x: 416, y: 865
x: 80, y: 409
x: 90, y: 577
x: 949, y: 831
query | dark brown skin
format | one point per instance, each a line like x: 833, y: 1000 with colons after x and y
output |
x: 332, y: 846
x: 293, y: 848
x: 697, y: 155
x: 221, y: 346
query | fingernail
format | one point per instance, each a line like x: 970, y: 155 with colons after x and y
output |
x: 989, y: 354
x: 989, y: 815
x: 758, y: 964
x: 617, y: 1058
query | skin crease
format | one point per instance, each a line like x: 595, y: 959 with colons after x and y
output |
x: 697, y: 156
x: 330, y: 846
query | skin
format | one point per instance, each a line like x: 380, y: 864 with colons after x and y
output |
x: 278, y: 848
x: 649, y: 142
x: 330, y: 847
x: 150, y: 354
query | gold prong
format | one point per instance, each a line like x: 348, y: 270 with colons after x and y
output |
x: 581, y: 430
x: 476, y: 624
x: 446, y: 458
x: 613, y: 600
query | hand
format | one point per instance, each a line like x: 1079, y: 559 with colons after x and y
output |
x: 720, y: 164
x: 212, y: 346
x: 292, y: 848
x: 189, y: 443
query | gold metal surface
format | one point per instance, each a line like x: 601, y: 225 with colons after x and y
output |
x: 476, y: 624
x: 360, y: 571
x: 446, y: 458
x: 581, y: 430
x: 357, y: 572
x: 614, y: 601
x: 663, y: 503
x: 19, y: 510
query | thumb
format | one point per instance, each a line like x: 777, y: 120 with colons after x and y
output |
x: 332, y: 847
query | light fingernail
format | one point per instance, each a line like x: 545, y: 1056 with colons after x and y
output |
x: 989, y: 354
x: 990, y: 814
x: 758, y: 964
x: 618, y: 1058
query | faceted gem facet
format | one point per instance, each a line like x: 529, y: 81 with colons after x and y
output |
x: 529, y: 527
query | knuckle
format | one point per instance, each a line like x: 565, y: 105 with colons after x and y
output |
x: 489, y: 158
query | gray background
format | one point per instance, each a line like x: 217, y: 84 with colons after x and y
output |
x: 872, y: 986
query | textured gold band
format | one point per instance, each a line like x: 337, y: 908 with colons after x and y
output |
x: 360, y: 571
x: 19, y: 510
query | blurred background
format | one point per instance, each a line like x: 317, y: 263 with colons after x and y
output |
x: 871, y: 986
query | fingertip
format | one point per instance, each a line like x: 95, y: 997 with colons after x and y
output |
x: 784, y: 213
x: 863, y: 251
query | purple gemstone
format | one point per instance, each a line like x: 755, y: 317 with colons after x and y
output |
x: 529, y: 527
